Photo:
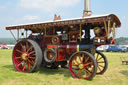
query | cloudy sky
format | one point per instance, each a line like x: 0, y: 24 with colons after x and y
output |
x: 13, y: 12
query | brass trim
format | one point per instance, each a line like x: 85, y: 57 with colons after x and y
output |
x: 78, y: 48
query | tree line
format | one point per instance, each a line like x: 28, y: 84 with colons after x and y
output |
x: 10, y: 41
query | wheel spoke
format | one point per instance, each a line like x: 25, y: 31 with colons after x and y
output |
x: 32, y: 52
x: 75, y: 68
x: 26, y: 46
x: 24, y: 66
x: 87, y: 64
x: 18, y: 58
x: 32, y: 57
x: 30, y: 62
x: 29, y: 66
x: 87, y: 71
x: 19, y: 64
x: 80, y: 58
x: 80, y: 73
x: 86, y: 59
x: 19, y: 51
x: 21, y: 46
x: 33, y: 62
x: 99, y: 58
x: 99, y: 68
x: 30, y: 49
x: 101, y: 62
x: 76, y: 61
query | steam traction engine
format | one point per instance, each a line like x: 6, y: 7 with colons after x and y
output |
x: 65, y: 42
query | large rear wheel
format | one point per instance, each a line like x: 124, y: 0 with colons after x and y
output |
x: 82, y: 65
x: 27, y: 56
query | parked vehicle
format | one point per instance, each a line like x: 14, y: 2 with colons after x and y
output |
x: 124, y: 47
x: 116, y: 48
x: 102, y: 48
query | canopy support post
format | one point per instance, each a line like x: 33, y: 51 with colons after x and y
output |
x: 109, y: 22
x: 17, y: 34
x: 26, y: 33
x: 13, y: 35
x: 80, y: 32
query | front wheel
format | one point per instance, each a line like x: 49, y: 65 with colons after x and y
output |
x: 27, y: 56
x: 82, y: 65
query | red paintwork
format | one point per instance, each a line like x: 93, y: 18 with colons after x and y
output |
x: 51, y: 46
x: 17, y: 62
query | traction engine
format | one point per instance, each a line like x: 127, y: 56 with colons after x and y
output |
x: 68, y: 43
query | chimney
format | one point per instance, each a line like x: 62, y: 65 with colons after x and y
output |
x: 87, y: 9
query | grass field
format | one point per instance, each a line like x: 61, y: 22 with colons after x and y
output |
x: 116, y: 74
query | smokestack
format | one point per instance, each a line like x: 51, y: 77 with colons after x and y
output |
x: 87, y: 9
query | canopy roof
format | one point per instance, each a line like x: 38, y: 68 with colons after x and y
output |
x: 59, y: 23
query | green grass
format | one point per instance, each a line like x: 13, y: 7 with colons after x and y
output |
x: 116, y: 74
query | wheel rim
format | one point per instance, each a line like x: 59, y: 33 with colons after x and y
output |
x: 24, y: 56
x: 101, y: 62
x: 82, y: 66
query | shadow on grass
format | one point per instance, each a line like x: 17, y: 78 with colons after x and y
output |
x: 11, y: 67
x: 124, y: 72
x: 48, y: 71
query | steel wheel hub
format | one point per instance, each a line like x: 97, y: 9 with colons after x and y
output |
x: 81, y: 66
x: 24, y: 56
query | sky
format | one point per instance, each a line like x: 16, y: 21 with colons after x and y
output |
x: 14, y: 12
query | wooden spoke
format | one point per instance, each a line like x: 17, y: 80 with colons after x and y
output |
x: 101, y: 66
x: 21, y: 46
x: 32, y: 52
x: 80, y: 58
x: 76, y: 61
x: 18, y: 57
x: 32, y: 57
x: 75, y: 68
x: 101, y: 62
x: 29, y: 66
x: 19, y: 51
x: 99, y: 58
x: 86, y: 59
x: 87, y: 64
x: 30, y: 62
x: 26, y: 46
x: 74, y: 64
x: 87, y: 71
x: 80, y: 73
x: 24, y: 67
x: 18, y: 64
x: 30, y: 49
